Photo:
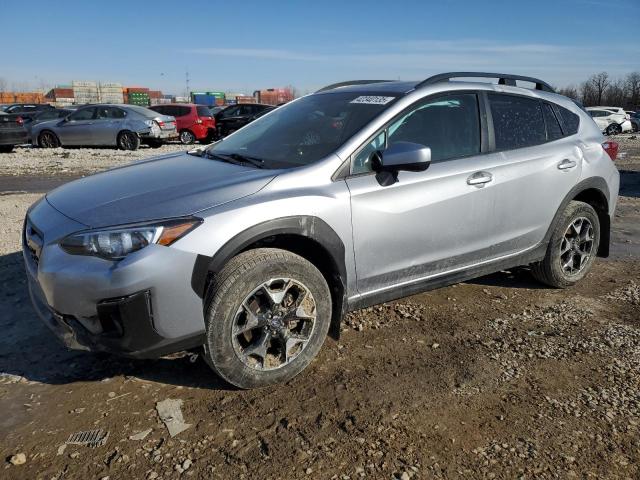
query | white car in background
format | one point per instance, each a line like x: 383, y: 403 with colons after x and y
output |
x: 611, y: 120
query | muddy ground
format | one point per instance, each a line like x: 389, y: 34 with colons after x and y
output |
x: 499, y: 377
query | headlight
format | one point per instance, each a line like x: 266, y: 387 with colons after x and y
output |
x: 117, y: 243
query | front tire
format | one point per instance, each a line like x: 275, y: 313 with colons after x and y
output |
x: 128, y: 140
x: 267, y: 314
x: 572, y: 248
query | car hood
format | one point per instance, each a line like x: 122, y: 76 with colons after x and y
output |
x: 164, y: 187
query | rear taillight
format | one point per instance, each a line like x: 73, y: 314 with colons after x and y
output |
x: 19, y: 121
x: 160, y: 123
x: 611, y: 148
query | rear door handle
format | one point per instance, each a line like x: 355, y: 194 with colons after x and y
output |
x: 567, y: 164
x: 479, y: 179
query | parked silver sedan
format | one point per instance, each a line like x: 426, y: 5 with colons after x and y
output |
x: 121, y: 126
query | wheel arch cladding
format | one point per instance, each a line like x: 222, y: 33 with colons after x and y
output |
x: 595, y: 192
x: 307, y: 236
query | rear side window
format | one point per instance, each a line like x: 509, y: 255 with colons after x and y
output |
x: 180, y: 111
x: 203, y: 111
x: 517, y: 121
x: 570, y: 121
x: 554, y: 131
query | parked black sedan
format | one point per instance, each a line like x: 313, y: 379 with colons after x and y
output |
x: 235, y: 117
x: 12, y: 132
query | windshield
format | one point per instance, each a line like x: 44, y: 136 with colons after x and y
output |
x: 304, y: 131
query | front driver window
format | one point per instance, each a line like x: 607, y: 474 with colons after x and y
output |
x: 449, y: 125
x: 84, y: 114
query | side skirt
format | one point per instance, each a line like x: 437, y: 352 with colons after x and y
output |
x: 375, y: 298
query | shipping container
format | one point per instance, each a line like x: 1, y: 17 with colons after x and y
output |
x: 22, y: 97
x: 76, y: 83
x: 245, y: 99
x: 208, y: 98
x: 136, y: 90
x: 181, y: 99
x: 273, y: 96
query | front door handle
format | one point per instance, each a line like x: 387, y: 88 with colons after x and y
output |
x: 479, y: 179
x: 567, y: 164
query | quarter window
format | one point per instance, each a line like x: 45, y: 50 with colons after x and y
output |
x: 570, y: 121
x: 554, y: 131
x: 517, y: 121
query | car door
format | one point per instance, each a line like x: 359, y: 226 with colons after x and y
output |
x: 107, y: 124
x: 539, y: 165
x: 76, y: 129
x: 430, y: 222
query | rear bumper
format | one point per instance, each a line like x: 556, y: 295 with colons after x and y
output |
x: 142, y: 306
x: 202, y: 131
x: 13, y: 136
x: 162, y: 134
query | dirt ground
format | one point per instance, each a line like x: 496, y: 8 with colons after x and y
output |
x: 499, y: 377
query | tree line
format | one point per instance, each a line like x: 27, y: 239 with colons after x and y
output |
x: 601, y: 90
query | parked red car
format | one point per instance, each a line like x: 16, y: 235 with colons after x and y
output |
x: 193, y: 122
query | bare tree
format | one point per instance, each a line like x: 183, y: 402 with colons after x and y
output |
x: 3, y: 85
x: 600, y: 82
x: 632, y: 87
x: 569, y: 91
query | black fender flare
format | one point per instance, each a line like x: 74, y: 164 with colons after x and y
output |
x: 310, y: 227
x: 597, y: 183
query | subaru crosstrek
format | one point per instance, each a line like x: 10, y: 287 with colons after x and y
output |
x: 256, y: 246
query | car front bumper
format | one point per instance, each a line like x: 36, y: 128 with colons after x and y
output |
x: 143, y: 306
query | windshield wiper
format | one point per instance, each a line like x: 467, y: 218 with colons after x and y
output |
x: 235, y: 158
x: 256, y: 162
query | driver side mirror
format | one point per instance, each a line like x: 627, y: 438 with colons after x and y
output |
x: 407, y: 156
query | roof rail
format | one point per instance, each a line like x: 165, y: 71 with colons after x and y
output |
x: 351, y: 82
x: 503, y: 79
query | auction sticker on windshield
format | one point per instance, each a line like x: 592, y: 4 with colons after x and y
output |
x: 372, y: 100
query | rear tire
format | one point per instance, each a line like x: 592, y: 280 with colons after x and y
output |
x: 572, y: 248
x: 267, y: 313
x: 128, y: 140
x: 614, y: 129
x: 154, y: 143
x: 6, y: 148
x: 48, y: 139
x: 187, y: 137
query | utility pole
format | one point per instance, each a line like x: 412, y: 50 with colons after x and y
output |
x: 186, y: 94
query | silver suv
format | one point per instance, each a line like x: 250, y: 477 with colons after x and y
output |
x: 256, y: 246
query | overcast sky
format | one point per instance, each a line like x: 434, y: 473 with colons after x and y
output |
x: 247, y: 45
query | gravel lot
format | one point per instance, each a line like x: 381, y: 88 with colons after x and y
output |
x: 494, y: 378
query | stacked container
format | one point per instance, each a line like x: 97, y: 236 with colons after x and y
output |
x: 110, y: 93
x: 22, y: 97
x: 85, y: 92
x: 208, y: 98
x: 137, y: 96
x: 274, y: 96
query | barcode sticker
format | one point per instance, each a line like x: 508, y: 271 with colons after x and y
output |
x: 372, y: 100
